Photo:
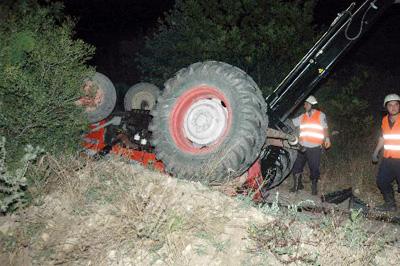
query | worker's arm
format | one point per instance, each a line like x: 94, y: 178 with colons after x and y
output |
x: 327, y: 141
x: 379, y: 146
x: 296, y: 121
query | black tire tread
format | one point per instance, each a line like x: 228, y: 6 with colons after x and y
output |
x: 109, y: 101
x: 139, y: 87
x: 242, y: 147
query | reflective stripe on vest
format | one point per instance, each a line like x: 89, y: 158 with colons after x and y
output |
x: 391, y: 138
x: 311, y: 129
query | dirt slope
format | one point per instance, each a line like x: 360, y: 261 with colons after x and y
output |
x: 114, y: 213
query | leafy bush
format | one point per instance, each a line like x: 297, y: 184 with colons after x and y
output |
x: 263, y: 37
x: 342, y: 98
x: 13, y: 184
x: 41, y: 72
x: 354, y: 233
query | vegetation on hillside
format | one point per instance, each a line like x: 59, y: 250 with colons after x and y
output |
x: 265, y: 38
x: 42, y: 68
x: 113, y: 213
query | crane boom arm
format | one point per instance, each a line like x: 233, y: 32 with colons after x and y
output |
x: 343, y: 33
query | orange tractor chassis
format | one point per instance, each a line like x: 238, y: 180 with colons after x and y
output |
x: 95, y: 145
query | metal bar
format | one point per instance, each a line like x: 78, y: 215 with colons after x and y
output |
x: 320, y: 59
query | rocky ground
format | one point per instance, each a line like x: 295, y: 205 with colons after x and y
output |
x: 114, y: 213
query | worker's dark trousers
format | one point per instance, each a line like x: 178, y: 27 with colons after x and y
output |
x: 388, y: 171
x: 311, y: 156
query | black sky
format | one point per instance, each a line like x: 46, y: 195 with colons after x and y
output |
x: 379, y: 46
x: 108, y: 24
x: 105, y: 21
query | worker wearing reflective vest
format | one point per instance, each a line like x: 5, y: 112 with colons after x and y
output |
x: 389, y: 141
x: 313, y: 136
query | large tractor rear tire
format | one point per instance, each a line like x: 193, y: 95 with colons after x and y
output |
x: 141, y: 96
x: 210, y: 123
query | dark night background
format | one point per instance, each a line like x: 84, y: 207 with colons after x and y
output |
x: 117, y: 29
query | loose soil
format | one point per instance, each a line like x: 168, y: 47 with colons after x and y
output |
x: 115, y: 213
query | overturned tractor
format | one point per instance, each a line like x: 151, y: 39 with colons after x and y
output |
x: 211, y: 123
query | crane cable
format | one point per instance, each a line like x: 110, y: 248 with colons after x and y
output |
x: 371, y: 5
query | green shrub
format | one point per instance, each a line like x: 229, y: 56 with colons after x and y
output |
x: 41, y: 72
x: 13, y: 184
x: 342, y: 98
x: 265, y: 38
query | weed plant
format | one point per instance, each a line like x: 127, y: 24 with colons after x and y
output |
x: 13, y: 184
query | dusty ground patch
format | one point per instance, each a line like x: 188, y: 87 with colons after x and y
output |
x: 114, y: 213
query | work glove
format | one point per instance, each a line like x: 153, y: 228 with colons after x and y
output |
x: 375, y: 157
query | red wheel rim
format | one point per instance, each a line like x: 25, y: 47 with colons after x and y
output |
x: 180, y: 110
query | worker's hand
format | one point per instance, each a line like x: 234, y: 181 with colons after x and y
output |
x: 327, y: 143
x: 375, y: 157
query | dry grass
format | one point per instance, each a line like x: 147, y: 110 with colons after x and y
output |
x: 97, y: 194
x: 110, y: 212
x: 342, y: 168
x: 324, y: 240
x: 114, y: 213
x: 351, y: 166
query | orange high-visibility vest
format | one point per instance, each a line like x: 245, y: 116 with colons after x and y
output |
x: 311, y: 129
x: 391, y: 137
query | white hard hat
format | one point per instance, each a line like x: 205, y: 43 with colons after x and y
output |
x: 391, y: 97
x: 311, y: 99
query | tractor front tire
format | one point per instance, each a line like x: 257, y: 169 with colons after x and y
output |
x: 210, y: 123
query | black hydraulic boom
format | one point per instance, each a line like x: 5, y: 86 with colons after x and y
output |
x: 278, y: 158
x: 344, y: 31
